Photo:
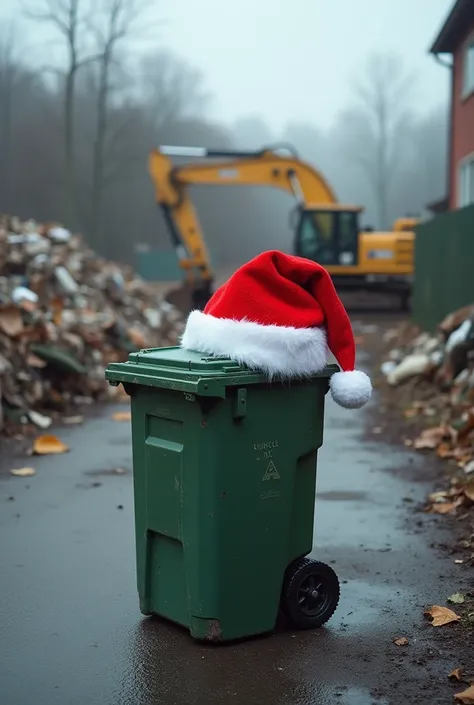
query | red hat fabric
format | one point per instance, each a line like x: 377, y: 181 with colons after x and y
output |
x: 281, y: 314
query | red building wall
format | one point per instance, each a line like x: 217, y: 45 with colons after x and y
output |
x: 462, y: 143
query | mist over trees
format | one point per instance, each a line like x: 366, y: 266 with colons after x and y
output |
x: 75, y: 138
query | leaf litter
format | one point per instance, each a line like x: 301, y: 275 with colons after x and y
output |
x: 401, y: 641
x: 466, y: 697
x: 49, y: 445
x: 441, y: 616
x: 122, y: 416
x: 456, y: 599
x: 456, y: 674
x: 23, y: 472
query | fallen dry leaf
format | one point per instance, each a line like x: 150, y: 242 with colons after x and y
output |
x: 122, y: 416
x: 456, y: 599
x: 456, y: 674
x: 56, y: 306
x: 469, y: 467
x: 49, y: 445
x: 23, y: 472
x: 401, y: 641
x: 438, y: 496
x: 444, y: 451
x: 467, y: 427
x: 469, y: 490
x: 429, y: 411
x: 73, y: 420
x: 11, y: 321
x: 426, y: 443
x: 466, y: 697
x: 444, y: 508
x: 28, y: 305
x: 453, y: 320
x: 137, y: 337
x: 35, y: 361
x: 442, y: 616
x: 437, y: 432
x: 410, y: 413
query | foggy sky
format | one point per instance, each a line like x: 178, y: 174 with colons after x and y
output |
x: 289, y: 60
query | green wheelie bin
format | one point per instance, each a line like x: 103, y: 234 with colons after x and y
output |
x: 224, y: 467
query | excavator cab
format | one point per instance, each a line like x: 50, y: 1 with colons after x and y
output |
x: 328, y: 235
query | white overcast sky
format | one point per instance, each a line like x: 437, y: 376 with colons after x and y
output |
x: 293, y: 60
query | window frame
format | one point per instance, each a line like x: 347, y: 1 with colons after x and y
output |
x: 468, y: 68
x: 333, y: 243
x: 466, y: 181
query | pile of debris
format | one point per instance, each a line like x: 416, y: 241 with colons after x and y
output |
x: 439, y: 371
x: 65, y: 314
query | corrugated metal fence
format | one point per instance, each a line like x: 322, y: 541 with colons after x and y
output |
x: 444, y: 266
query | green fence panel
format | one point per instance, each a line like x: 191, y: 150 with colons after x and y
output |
x: 158, y: 265
x: 444, y: 266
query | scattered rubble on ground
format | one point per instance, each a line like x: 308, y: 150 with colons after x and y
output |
x: 65, y: 314
x: 439, y: 371
x: 428, y: 381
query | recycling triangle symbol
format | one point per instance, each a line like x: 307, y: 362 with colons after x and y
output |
x: 271, y: 472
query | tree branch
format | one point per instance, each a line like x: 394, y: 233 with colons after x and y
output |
x: 88, y: 60
x: 49, y: 17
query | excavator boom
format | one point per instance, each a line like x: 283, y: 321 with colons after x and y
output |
x: 327, y: 231
x: 222, y: 167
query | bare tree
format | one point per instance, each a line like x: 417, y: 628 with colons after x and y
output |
x: 172, y: 90
x: 117, y: 21
x: 252, y: 132
x: 10, y: 76
x: 69, y: 18
x: 375, y: 126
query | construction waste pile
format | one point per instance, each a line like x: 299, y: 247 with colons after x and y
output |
x: 438, y: 372
x: 65, y: 314
x: 434, y: 377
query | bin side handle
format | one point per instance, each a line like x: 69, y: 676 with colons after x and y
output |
x: 240, y: 404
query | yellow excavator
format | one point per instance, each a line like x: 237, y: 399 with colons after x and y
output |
x: 324, y: 230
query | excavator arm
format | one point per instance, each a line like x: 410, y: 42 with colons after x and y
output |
x: 230, y: 168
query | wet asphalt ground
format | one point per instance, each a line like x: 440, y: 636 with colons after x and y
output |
x: 71, y: 632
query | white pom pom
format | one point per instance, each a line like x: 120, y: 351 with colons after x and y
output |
x: 351, y: 389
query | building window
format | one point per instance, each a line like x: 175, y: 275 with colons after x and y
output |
x: 466, y: 182
x: 468, y: 83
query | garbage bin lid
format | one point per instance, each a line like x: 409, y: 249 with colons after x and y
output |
x: 187, y: 371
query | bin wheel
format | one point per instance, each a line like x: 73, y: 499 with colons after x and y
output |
x: 310, y: 593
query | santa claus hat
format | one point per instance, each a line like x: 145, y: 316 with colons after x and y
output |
x: 281, y: 314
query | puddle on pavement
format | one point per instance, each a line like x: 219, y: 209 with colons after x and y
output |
x: 341, y: 496
x: 360, y: 696
x: 105, y: 472
x: 365, y: 605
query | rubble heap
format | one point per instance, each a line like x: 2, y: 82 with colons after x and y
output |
x: 65, y: 313
x: 438, y: 371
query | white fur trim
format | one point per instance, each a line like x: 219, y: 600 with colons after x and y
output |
x: 351, y: 389
x: 276, y: 350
